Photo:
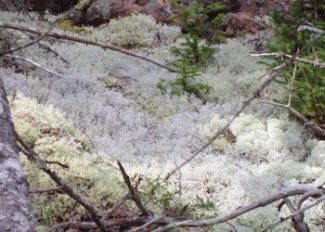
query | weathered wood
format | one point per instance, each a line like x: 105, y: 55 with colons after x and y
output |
x: 15, y: 205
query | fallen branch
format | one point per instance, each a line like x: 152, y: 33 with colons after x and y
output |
x: 57, y: 163
x: 51, y: 190
x: 281, y: 220
x: 143, y: 227
x: 42, y: 36
x: 62, y: 36
x: 123, y: 222
x: 318, y: 130
x: 117, y: 205
x: 133, y: 192
x: 299, y: 190
x: 36, y: 65
x: 315, y: 63
x: 41, y: 164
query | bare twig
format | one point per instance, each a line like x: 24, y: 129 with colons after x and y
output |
x: 123, y: 222
x: 292, y: 85
x: 41, y: 164
x: 316, y: 193
x: 48, y: 48
x: 50, y: 190
x: 315, y: 63
x: 298, y: 220
x: 299, y: 190
x: 57, y: 163
x: 281, y: 220
x: 133, y: 192
x: 42, y: 36
x: 117, y: 205
x: 317, y: 129
x: 144, y: 226
x: 62, y: 36
x: 36, y: 65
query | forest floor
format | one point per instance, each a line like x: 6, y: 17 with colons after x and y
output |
x: 113, y: 99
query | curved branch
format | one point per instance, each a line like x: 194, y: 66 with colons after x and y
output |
x: 62, y: 36
x: 300, y: 190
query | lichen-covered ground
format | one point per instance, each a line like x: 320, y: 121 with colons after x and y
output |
x: 112, y: 98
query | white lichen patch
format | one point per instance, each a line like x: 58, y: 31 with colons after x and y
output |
x: 135, y: 31
x: 151, y: 133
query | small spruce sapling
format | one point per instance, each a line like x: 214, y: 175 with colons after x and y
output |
x: 309, y: 95
x: 193, y: 55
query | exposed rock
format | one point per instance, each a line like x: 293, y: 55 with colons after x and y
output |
x: 241, y: 22
x: 101, y: 11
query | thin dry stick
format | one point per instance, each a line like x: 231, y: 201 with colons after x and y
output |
x: 316, y: 193
x: 292, y: 86
x: 133, y: 191
x: 298, y: 220
x: 30, y: 153
x: 62, y: 36
x: 39, y: 191
x: 57, y: 163
x: 299, y: 190
x: 281, y: 220
x: 36, y: 65
x: 48, y: 49
x: 117, y: 205
x: 42, y: 36
x: 318, y: 130
x: 143, y: 227
x: 315, y: 63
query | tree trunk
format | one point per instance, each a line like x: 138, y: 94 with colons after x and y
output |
x: 15, y: 205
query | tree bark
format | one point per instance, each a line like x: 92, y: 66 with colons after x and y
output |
x: 15, y: 205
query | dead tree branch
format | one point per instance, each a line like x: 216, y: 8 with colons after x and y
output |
x: 315, y: 63
x: 41, y: 164
x: 133, y: 192
x: 317, y: 129
x: 62, y: 36
x: 281, y: 220
x: 51, y: 190
x: 299, y: 190
x: 42, y: 36
x: 117, y: 205
x: 36, y: 65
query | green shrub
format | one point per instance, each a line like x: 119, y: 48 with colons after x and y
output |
x: 309, y: 95
x: 202, y: 19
